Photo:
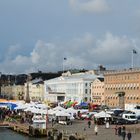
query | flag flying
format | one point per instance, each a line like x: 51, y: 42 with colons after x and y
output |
x: 134, y: 51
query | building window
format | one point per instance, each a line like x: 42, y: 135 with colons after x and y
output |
x: 86, y: 91
x: 86, y: 99
x: 90, y: 91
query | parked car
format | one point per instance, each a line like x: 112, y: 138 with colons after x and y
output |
x: 122, y: 121
x: 130, y: 117
x: 118, y: 112
x: 115, y: 112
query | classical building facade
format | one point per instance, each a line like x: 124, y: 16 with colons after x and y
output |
x: 75, y: 87
x: 36, y: 90
x: 6, y: 91
x: 122, y: 87
x: 18, y: 92
x: 97, y: 91
x: 13, y: 92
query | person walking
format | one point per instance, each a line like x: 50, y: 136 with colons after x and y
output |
x: 119, y: 131
x: 123, y: 128
x: 123, y: 135
x: 129, y: 135
x: 123, y: 132
x: 107, y: 125
x: 89, y: 124
x: 96, y: 129
x: 116, y: 130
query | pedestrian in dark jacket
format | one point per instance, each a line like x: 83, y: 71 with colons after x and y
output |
x: 123, y: 128
x: 116, y: 130
x: 89, y: 124
x: 119, y: 131
x: 129, y: 135
x: 123, y: 135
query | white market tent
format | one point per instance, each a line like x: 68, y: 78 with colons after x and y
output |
x: 30, y: 108
x: 22, y: 106
x: 71, y: 111
x: 59, y: 108
x: 51, y: 112
x: 41, y: 106
x: 62, y: 114
x: 43, y: 111
x: 36, y: 110
x: 102, y: 114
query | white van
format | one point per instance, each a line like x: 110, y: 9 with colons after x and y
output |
x: 130, y: 117
x: 133, y: 107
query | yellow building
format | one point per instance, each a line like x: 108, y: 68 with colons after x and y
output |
x: 13, y: 91
x: 36, y: 90
x: 6, y: 91
x: 97, y: 91
x: 18, y: 92
x: 123, y: 81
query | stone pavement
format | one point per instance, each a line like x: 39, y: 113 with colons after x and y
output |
x: 81, y: 128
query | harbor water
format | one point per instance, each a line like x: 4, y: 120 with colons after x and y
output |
x: 7, y: 134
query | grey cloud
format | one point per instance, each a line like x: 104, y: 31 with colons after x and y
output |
x: 90, y: 6
x: 82, y: 52
x: 113, y: 50
x: 12, y: 50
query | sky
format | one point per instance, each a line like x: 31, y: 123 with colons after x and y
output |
x: 39, y: 34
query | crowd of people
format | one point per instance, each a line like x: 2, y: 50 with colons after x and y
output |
x: 121, y: 132
x: 4, y: 112
x: 15, y: 115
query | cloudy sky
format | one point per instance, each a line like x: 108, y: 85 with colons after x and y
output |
x: 39, y: 34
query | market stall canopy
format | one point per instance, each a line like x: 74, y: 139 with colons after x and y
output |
x: 20, y: 107
x: 102, y: 114
x: 11, y: 106
x: 42, y: 106
x: 51, y: 112
x: 71, y: 110
x: 83, y: 104
x: 62, y: 114
x: 59, y: 108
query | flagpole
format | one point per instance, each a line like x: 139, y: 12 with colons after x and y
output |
x: 132, y: 60
x: 63, y: 65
